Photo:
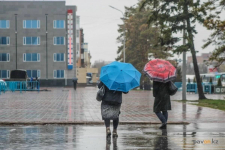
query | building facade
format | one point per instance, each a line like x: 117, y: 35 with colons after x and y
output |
x: 80, y: 61
x: 200, y: 59
x: 203, y: 61
x: 77, y: 38
x: 85, y: 74
x: 38, y: 36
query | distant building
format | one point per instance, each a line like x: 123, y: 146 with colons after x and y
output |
x: 200, y: 59
x: 78, y: 45
x: 39, y: 36
x: 84, y: 73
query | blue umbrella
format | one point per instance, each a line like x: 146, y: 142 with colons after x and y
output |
x: 120, y: 76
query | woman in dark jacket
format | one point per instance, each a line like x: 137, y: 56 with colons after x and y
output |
x: 110, y: 109
x: 161, y: 92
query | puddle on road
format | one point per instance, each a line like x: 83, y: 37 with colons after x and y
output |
x: 52, y: 137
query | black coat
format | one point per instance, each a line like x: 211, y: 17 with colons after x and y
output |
x: 111, y: 96
x: 161, y: 92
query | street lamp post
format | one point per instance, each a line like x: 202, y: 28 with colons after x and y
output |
x: 184, y: 70
x: 124, y: 40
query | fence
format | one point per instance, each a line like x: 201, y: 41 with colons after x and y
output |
x: 192, y: 87
x: 208, y: 88
x: 178, y: 84
x: 19, y: 86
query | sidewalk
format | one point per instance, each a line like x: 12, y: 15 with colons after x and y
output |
x: 64, y: 105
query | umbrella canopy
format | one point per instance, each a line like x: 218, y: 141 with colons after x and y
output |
x: 120, y: 76
x: 75, y: 79
x: 160, y: 70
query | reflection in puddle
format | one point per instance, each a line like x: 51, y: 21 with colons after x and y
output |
x: 93, y: 137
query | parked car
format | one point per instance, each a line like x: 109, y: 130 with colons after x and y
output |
x: 19, y: 75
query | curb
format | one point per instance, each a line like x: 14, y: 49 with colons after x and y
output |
x: 86, y: 123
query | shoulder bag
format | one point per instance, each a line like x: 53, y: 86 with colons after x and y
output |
x: 100, y: 93
x: 172, y: 88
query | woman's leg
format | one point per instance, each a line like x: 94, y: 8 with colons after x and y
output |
x: 161, y: 117
x: 165, y: 114
x: 115, y: 123
x: 107, y: 123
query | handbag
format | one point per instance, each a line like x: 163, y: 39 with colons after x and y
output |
x: 172, y: 88
x: 100, y: 93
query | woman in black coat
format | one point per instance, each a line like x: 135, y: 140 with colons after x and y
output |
x: 161, y: 92
x: 110, y: 109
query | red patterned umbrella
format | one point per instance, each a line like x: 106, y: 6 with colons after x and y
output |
x: 160, y: 70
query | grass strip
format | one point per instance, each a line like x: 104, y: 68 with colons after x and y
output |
x: 216, y: 104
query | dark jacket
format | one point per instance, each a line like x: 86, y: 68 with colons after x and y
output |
x: 161, y: 92
x: 111, y: 96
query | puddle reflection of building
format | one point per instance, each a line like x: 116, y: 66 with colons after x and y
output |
x: 31, y: 135
x: 4, y: 133
x: 62, y: 136
x: 108, y: 143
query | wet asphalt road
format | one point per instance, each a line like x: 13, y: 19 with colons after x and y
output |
x: 52, y: 137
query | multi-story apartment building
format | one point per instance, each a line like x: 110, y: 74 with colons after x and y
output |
x: 80, y: 61
x: 77, y: 38
x: 38, y: 36
x: 200, y: 59
x: 84, y: 70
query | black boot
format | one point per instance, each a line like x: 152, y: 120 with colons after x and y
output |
x: 108, y: 132
x: 163, y: 126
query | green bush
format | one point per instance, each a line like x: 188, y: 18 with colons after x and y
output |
x: 194, y: 80
x: 189, y: 81
x: 210, y: 80
x: 219, y: 83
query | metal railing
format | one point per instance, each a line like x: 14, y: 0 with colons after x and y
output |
x: 19, y: 86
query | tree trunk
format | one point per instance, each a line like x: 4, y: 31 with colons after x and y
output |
x: 195, y: 63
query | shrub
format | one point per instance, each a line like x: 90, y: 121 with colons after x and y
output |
x: 219, y: 83
x: 194, y: 80
x: 210, y: 80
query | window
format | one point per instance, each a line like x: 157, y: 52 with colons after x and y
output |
x: 33, y: 73
x: 59, y: 24
x: 4, y: 73
x: 59, y: 41
x: 4, y: 24
x: 58, y: 73
x: 31, y: 24
x: 78, y: 33
x: 4, y: 40
x: 58, y: 57
x: 31, y: 40
x: 4, y: 57
x: 31, y: 57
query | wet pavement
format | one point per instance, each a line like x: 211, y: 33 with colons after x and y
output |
x: 64, y: 105
x: 176, y: 137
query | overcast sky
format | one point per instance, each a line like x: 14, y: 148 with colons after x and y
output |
x: 100, y: 24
